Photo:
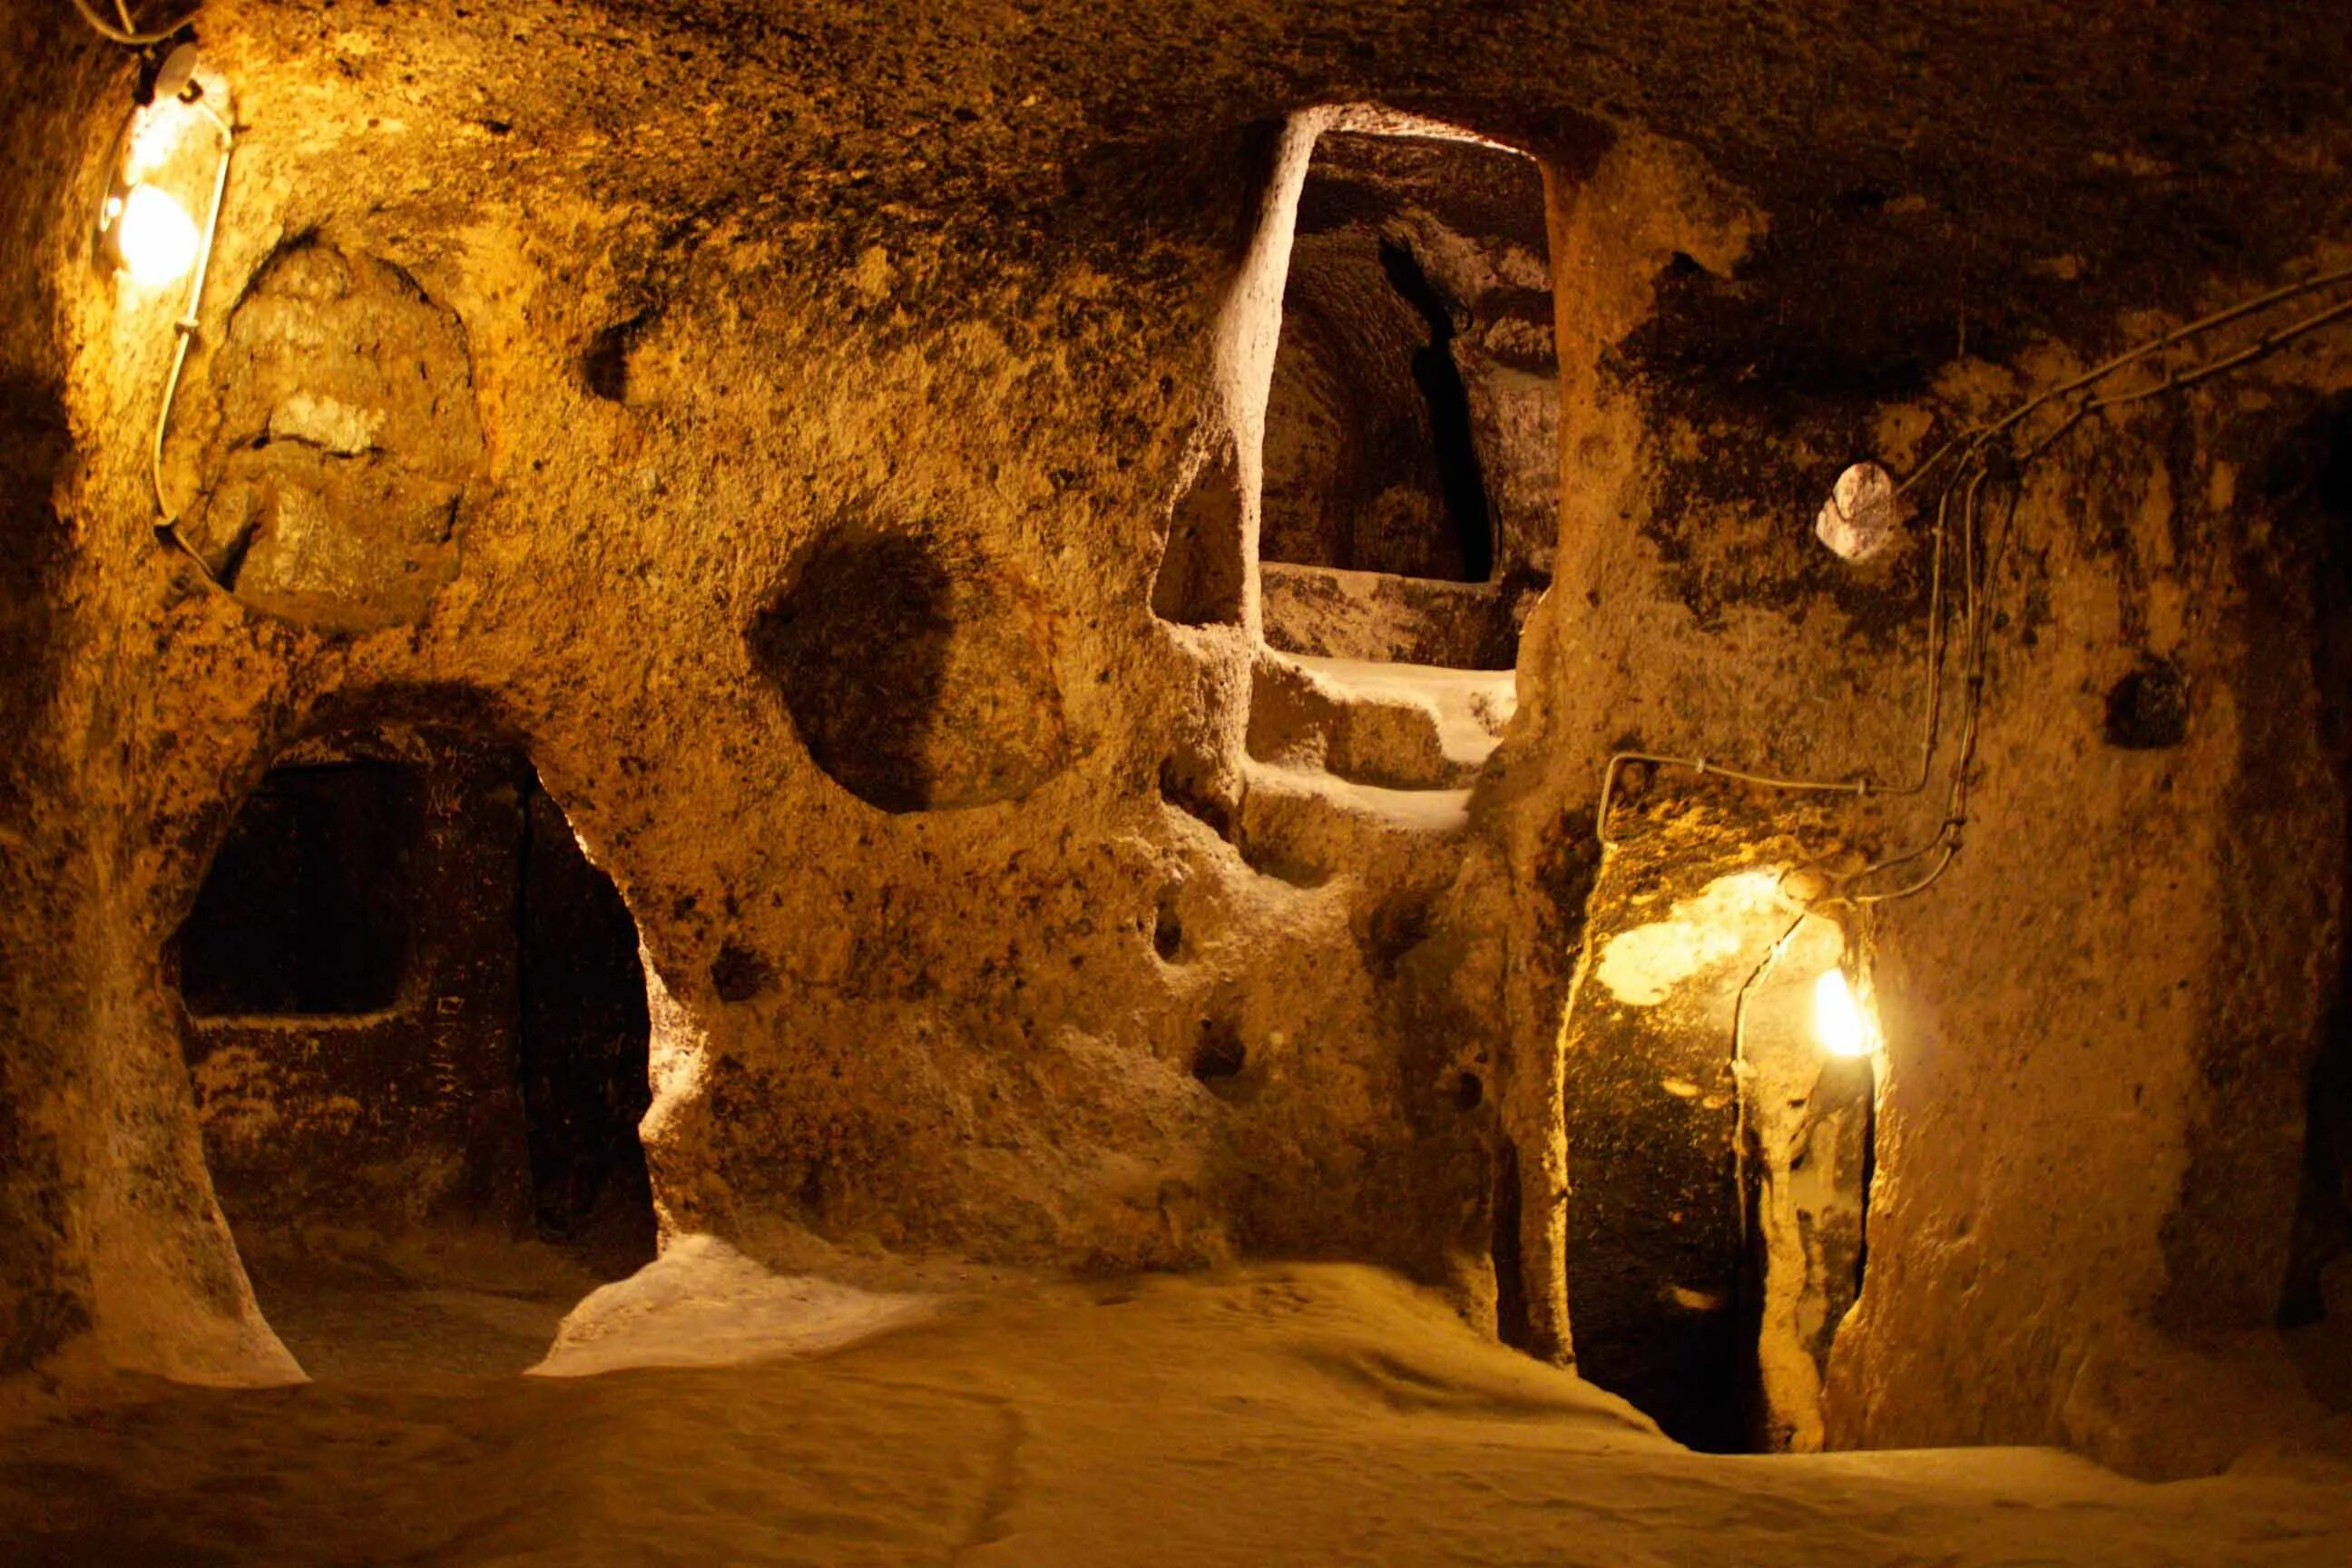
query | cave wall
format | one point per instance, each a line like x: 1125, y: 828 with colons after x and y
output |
x: 2100, y: 1021
x: 753, y: 317
x: 115, y: 1252
x: 935, y: 963
x: 44, y: 1267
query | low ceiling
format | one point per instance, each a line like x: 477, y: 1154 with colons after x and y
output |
x: 1998, y: 168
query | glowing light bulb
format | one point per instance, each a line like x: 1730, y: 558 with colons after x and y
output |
x: 1838, y: 1022
x: 155, y: 135
x: 155, y: 238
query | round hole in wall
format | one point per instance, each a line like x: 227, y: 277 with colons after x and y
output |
x: 738, y: 975
x: 2147, y: 710
x: 915, y: 665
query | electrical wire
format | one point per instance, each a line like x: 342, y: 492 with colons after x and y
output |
x: 183, y: 331
x: 128, y: 32
x: 1741, y: 1071
x: 1947, y: 836
x: 1976, y: 462
x: 1930, y: 722
x: 1975, y: 438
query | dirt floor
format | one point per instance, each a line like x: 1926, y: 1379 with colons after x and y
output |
x: 1322, y: 1413
x: 472, y: 1306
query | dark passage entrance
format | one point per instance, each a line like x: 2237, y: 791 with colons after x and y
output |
x: 2312, y: 486
x: 1719, y: 1157
x: 305, y: 911
x: 582, y: 1047
x: 418, y: 1032
x: 1371, y: 462
x: 1411, y: 494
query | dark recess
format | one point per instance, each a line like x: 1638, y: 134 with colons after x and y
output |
x: 582, y: 1047
x: 2312, y: 491
x: 1393, y: 929
x: 1200, y: 580
x: 858, y: 648
x: 738, y: 975
x: 478, y: 925
x: 1439, y: 378
x: 1511, y: 1324
x: 605, y: 363
x: 1168, y: 925
x: 1181, y: 788
x: 1373, y: 464
x: 306, y: 908
x: 1655, y: 1217
x: 1373, y: 454
x: 1686, y: 1364
x: 1221, y: 1054
x: 2147, y: 710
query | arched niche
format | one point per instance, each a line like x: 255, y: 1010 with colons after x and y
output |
x: 416, y: 1026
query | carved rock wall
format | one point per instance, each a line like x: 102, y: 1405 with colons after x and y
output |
x: 721, y: 282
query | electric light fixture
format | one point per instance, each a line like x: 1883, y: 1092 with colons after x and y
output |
x: 147, y: 230
x: 1838, y: 1022
x: 155, y: 237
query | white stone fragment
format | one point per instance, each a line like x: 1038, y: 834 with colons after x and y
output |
x: 1858, y: 520
x: 327, y: 423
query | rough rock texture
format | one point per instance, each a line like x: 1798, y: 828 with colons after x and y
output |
x: 327, y: 1101
x: 1006, y: 284
x: 1324, y: 613
x: 1329, y: 1410
x: 339, y: 444
x: 1712, y: 1249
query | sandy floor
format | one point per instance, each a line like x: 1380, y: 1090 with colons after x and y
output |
x: 475, y: 1306
x: 1307, y: 1415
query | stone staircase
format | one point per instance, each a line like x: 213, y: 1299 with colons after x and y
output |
x: 1355, y: 765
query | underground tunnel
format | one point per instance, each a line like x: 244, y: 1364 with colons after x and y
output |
x: 1411, y: 448
x: 1167, y: 784
x: 416, y: 1028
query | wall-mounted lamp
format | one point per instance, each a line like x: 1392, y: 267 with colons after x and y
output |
x: 143, y: 226
x: 149, y: 232
x: 1838, y: 1023
x: 1844, y: 1028
x: 153, y: 238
